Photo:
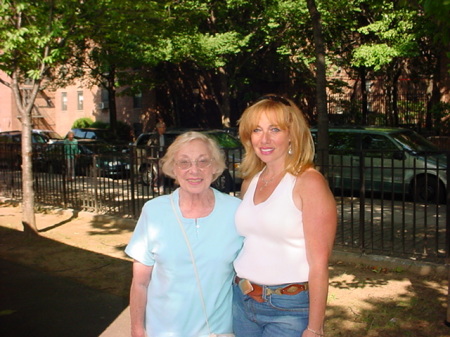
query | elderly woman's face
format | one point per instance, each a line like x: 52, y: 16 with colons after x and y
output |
x: 194, y: 166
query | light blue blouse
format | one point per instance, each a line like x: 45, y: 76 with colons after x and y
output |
x: 173, y: 302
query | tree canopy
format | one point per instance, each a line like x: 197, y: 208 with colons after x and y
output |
x: 206, y: 60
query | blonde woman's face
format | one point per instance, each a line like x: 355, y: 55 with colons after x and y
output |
x: 269, y: 141
x: 194, y: 167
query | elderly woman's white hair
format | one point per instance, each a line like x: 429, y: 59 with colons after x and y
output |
x: 168, y: 161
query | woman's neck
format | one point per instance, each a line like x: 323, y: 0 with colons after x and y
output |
x: 196, y: 205
x: 271, y: 171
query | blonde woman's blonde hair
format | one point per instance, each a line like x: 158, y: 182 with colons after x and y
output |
x: 168, y: 161
x: 287, y: 116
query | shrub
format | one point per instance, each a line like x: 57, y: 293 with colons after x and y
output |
x: 84, y: 122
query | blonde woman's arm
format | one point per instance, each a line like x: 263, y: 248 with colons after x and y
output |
x: 319, y: 222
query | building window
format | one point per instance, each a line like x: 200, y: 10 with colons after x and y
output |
x: 64, y: 101
x: 104, y: 103
x: 105, y: 95
x: 137, y: 100
x: 80, y: 100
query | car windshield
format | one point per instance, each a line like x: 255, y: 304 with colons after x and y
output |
x: 414, y: 142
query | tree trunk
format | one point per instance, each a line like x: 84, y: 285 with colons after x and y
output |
x: 111, y: 88
x: 395, y: 97
x: 321, y: 95
x: 435, y: 96
x: 25, y: 104
x: 362, y: 75
x: 225, y: 94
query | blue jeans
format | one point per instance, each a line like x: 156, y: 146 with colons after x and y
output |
x: 278, y: 315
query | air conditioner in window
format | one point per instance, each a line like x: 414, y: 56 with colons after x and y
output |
x: 103, y: 105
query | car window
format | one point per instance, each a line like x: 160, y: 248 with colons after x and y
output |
x: 378, y: 146
x: 90, y: 135
x: 5, y: 139
x: 78, y: 133
x: 343, y: 143
x: 414, y: 142
x: 143, y: 139
x: 37, y: 138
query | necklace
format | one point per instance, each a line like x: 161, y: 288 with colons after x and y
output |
x: 268, y: 181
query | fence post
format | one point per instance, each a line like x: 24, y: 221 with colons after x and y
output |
x: 447, y: 239
x: 133, y: 167
x: 362, y: 203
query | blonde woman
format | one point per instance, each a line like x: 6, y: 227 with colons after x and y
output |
x: 288, y: 220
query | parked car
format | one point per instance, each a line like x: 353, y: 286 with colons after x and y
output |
x: 391, y: 160
x: 101, y: 135
x: 10, y: 147
x: 147, y: 165
x: 93, y: 134
x: 51, y: 135
x: 94, y: 159
x: 16, y: 137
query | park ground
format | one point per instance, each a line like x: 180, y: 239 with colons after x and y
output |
x: 366, y: 297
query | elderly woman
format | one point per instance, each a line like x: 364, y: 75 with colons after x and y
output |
x: 183, y: 248
x: 288, y: 218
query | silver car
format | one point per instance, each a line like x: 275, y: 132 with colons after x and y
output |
x: 391, y: 160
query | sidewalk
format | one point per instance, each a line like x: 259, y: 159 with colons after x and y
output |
x: 74, y: 281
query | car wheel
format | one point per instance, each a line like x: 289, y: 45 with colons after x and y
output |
x: 224, y: 183
x: 149, y: 175
x: 428, y: 189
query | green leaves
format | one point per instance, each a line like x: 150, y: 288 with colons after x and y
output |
x: 34, y: 36
x: 391, y: 35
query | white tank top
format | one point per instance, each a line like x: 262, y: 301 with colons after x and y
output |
x: 274, y: 246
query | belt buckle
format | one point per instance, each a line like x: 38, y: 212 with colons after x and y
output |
x: 245, y: 286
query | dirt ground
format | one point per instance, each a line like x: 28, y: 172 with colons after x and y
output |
x: 364, y: 299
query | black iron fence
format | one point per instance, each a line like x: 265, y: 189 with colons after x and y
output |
x: 391, y: 202
x: 386, y: 204
x: 410, y: 110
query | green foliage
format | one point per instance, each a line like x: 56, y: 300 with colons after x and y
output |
x: 391, y: 36
x: 84, y: 122
x: 35, y: 35
x: 439, y: 13
x: 253, y: 46
x: 441, y: 118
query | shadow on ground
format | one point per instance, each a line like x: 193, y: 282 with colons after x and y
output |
x: 372, y: 301
x: 65, y: 292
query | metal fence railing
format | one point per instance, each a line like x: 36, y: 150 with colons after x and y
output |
x: 386, y: 205
x: 392, y: 203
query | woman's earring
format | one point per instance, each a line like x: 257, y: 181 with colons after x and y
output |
x: 290, y: 150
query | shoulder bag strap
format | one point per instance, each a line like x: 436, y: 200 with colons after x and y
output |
x: 193, y: 263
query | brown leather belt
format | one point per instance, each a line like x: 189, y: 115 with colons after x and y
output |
x: 257, y: 292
